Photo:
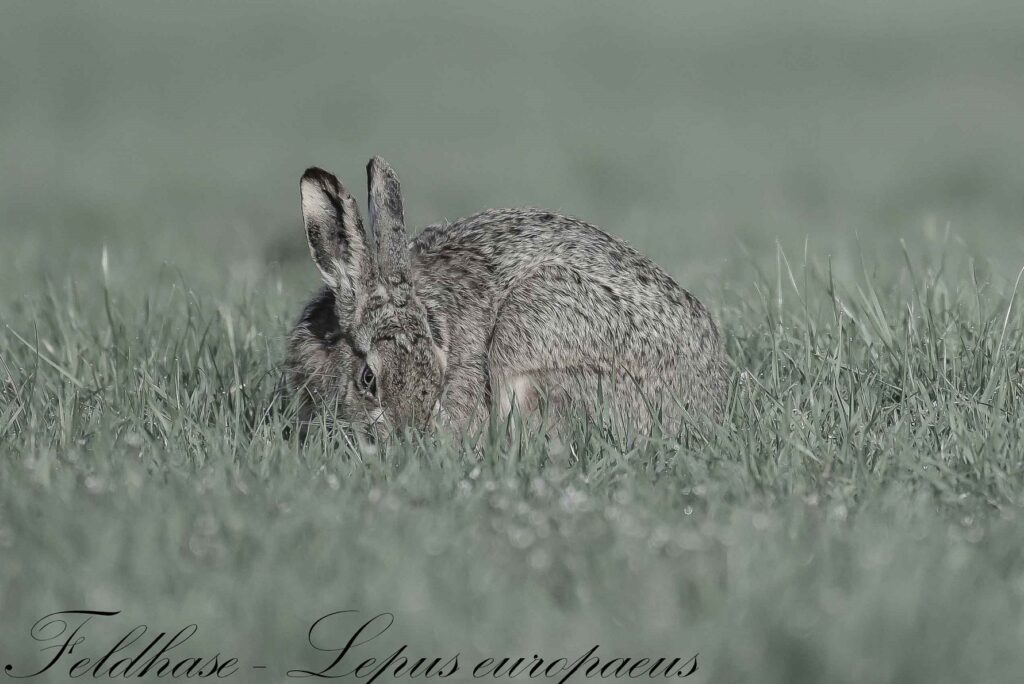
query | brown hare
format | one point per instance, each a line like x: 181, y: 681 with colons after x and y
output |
x: 506, y: 308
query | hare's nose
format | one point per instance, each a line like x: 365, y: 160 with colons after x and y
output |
x: 367, y: 442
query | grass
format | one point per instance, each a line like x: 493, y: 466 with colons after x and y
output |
x: 840, y: 184
x: 855, y: 517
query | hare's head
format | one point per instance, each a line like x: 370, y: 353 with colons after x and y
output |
x: 382, y: 367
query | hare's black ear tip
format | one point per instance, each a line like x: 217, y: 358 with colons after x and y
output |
x: 325, y: 179
x: 315, y: 173
x: 378, y: 168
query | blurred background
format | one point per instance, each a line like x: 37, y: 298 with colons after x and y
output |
x: 704, y: 132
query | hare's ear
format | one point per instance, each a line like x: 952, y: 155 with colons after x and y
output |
x: 335, y: 233
x: 388, y: 222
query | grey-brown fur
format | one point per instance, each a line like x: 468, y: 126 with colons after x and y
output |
x: 504, y: 307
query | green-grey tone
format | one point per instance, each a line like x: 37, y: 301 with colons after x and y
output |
x: 842, y: 184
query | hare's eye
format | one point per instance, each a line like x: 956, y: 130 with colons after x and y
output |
x: 367, y: 380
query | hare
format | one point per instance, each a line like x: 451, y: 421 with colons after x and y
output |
x: 506, y: 308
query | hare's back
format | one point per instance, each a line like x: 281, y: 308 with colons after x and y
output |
x: 514, y: 242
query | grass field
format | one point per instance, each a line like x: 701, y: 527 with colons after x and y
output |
x: 842, y: 184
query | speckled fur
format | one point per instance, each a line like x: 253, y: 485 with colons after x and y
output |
x: 508, y: 306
